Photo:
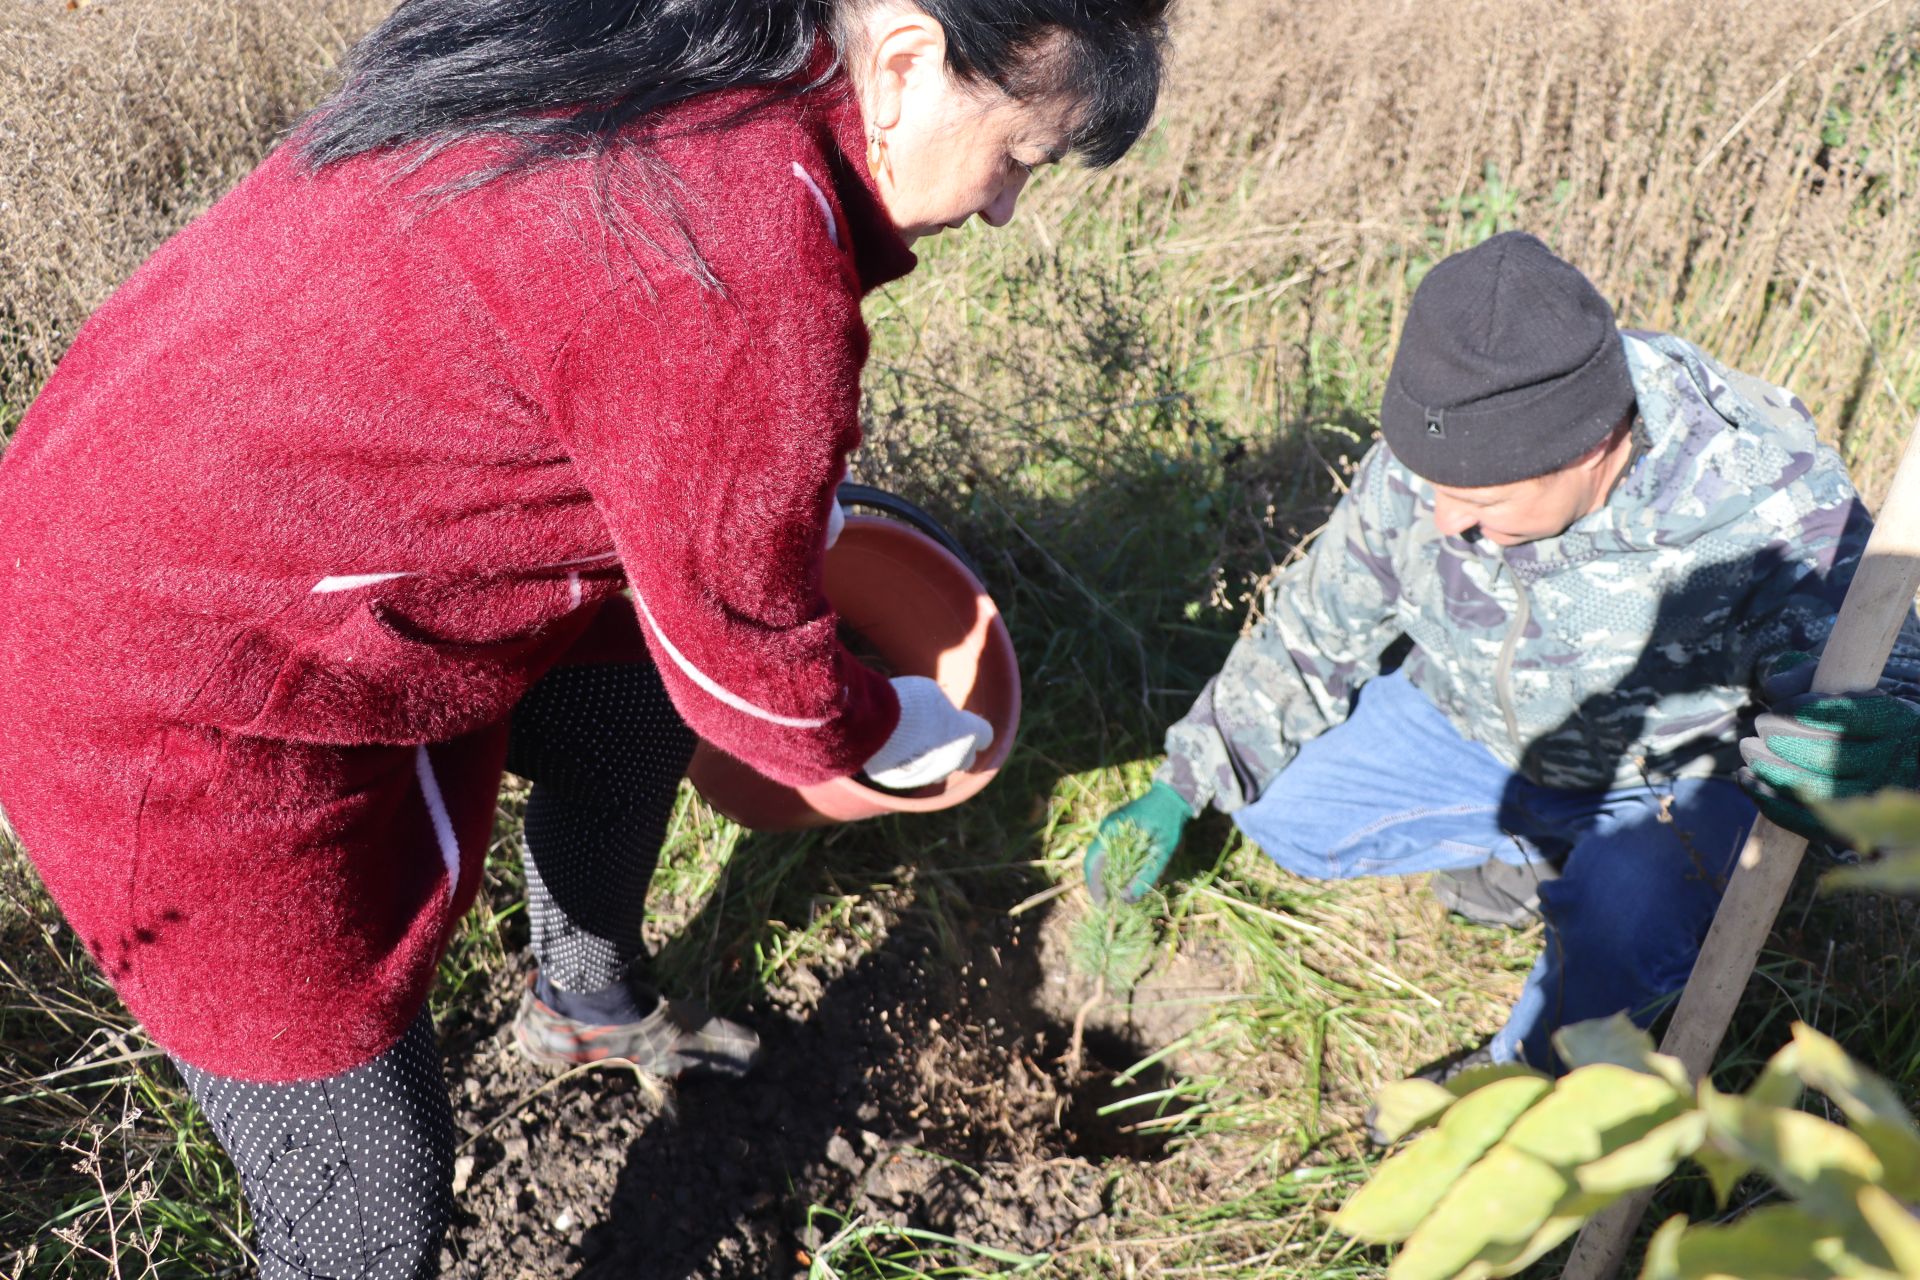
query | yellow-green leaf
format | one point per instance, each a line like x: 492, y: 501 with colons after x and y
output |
x: 1778, y: 1242
x: 1502, y: 1201
x: 1595, y: 1110
x: 1405, y: 1189
x: 1480, y: 1077
x: 1814, y: 1156
x: 1816, y: 1162
x: 1873, y: 1108
x: 1884, y: 820
x: 1889, y: 873
x: 1406, y: 1105
x: 1646, y: 1161
x: 1723, y: 1171
x: 1846, y: 1264
x: 1779, y: 1083
x: 1895, y: 1227
x: 1663, y: 1251
x: 1616, y: 1040
x: 1568, y: 1217
x: 1613, y: 1039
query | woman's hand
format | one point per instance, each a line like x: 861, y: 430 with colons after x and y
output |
x: 933, y: 739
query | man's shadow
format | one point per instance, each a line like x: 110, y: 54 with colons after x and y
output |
x: 1663, y: 714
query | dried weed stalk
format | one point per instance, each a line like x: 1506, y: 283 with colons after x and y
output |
x: 1737, y: 171
x: 119, y: 121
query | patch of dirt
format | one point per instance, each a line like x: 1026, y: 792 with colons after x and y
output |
x: 913, y: 1088
x: 1179, y: 992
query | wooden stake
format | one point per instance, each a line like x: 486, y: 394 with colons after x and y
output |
x: 1870, y: 618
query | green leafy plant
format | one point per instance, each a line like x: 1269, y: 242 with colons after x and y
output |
x: 1487, y: 211
x: 1887, y: 824
x: 1512, y: 1163
x: 1483, y: 212
x: 1114, y: 941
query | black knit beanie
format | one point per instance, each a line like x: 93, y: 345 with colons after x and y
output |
x: 1509, y: 367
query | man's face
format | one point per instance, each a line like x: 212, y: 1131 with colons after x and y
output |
x: 1525, y: 511
x: 1544, y: 507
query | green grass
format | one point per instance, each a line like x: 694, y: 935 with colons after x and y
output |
x: 857, y: 1250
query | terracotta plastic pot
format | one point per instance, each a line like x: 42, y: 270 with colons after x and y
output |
x: 920, y: 612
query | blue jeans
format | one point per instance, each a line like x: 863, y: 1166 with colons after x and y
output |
x: 1396, y: 789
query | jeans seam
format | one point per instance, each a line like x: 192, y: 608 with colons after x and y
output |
x: 1397, y: 819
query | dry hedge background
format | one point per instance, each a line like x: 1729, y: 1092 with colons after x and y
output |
x: 1740, y: 170
x: 122, y: 119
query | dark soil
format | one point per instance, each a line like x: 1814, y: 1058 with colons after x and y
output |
x: 912, y: 1088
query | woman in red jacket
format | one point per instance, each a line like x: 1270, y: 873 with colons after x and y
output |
x: 323, y: 519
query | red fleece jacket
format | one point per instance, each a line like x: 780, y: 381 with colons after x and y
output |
x: 343, y: 469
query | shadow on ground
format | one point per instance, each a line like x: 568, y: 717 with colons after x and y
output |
x: 917, y: 1069
x: 916, y: 1087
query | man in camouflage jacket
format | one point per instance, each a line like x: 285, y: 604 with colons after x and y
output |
x: 1599, y: 543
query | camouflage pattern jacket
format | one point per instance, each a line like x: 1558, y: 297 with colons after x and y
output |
x: 1620, y: 653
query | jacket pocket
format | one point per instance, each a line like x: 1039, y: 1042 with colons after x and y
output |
x: 376, y: 678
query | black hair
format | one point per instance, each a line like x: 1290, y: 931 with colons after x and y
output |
x: 566, y: 78
x: 1105, y: 55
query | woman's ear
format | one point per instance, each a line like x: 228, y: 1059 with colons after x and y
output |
x: 908, y: 58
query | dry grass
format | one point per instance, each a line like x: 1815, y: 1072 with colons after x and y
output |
x: 1315, y: 154
x: 119, y: 121
x: 1740, y: 171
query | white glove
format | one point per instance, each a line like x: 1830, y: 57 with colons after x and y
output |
x: 933, y: 739
x: 836, y: 521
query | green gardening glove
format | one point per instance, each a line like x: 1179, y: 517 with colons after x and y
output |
x: 1160, y: 815
x: 1815, y: 747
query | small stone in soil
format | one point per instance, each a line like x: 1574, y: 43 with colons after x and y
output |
x: 840, y: 1152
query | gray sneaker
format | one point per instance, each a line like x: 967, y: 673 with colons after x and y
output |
x: 677, y: 1038
x: 1495, y: 892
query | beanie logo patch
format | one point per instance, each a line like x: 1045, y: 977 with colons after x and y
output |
x: 1437, y: 424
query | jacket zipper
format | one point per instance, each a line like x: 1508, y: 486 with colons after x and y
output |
x: 1503, y: 670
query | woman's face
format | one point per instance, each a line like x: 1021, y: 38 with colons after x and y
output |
x: 943, y: 150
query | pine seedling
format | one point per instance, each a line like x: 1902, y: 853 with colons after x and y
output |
x: 1114, y: 942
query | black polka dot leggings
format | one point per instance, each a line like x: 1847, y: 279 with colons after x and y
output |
x: 605, y: 751
x: 351, y: 1177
